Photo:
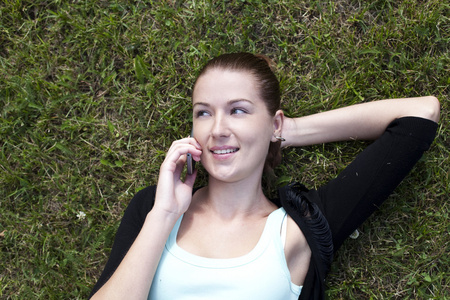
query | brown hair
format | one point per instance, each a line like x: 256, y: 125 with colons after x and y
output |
x: 260, y: 66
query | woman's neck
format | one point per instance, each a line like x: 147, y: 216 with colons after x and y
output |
x: 237, y: 199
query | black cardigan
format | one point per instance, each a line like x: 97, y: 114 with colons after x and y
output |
x: 326, y: 216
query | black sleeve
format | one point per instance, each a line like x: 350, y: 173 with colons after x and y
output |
x: 129, y: 229
x: 349, y: 199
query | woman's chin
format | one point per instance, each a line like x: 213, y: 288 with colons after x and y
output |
x: 223, y: 174
x: 223, y: 177
x: 227, y: 175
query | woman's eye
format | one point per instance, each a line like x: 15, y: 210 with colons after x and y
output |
x: 202, y: 113
x: 238, y: 111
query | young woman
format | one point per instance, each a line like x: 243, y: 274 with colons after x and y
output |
x: 227, y: 240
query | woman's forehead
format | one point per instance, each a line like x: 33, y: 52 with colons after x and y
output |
x: 226, y: 82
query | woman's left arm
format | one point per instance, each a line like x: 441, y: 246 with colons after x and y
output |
x: 366, y: 121
x: 403, y: 130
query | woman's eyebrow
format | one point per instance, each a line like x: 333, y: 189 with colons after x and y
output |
x: 201, y: 104
x: 230, y: 102
x: 239, y: 100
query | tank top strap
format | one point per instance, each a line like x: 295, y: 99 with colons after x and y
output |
x: 172, y: 240
x: 283, y: 230
x: 274, y: 224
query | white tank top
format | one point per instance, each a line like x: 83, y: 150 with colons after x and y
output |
x: 261, y: 274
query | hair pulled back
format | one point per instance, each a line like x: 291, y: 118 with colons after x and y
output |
x: 260, y: 67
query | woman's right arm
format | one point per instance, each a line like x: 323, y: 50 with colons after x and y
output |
x: 133, y: 277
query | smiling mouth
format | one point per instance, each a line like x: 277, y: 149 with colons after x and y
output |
x: 226, y: 151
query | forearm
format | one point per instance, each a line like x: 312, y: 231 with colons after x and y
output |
x: 365, y: 121
x: 134, y: 275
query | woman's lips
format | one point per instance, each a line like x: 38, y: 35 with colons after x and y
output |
x: 223, y: 152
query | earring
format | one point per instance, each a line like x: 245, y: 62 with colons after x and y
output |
x: 281, y: 139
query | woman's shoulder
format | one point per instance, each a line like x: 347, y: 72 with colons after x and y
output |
x: 141, y: 203
x: 302, y: 206
x: 144, y: 196
x: 297, y: 196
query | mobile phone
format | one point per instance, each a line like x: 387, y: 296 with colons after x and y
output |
x: 190, y: 162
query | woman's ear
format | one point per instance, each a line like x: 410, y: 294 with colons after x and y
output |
x: 277, y: 125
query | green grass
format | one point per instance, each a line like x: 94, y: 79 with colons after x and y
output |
x: 92, y: 93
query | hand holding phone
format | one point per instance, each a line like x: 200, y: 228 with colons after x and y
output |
x: 190, y: 162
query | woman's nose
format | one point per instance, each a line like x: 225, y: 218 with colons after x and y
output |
x: 220, y: 126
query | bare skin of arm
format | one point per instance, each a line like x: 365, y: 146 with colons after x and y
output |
x: 365, y: 121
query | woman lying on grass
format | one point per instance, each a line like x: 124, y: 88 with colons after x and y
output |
x: 227, y: 240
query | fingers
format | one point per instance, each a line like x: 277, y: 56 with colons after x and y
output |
x: 180, y: 164
x: 190, y: 179
x: 176, y: 155
x: 186, y: 145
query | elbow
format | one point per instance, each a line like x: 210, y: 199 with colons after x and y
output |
x: 432, y: 109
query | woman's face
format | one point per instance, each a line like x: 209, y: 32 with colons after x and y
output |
x: 232, y: 124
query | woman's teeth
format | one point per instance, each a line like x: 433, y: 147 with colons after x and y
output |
x: 225, y: 151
